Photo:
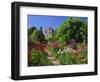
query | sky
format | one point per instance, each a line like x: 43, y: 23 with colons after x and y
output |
x: 47, y: 21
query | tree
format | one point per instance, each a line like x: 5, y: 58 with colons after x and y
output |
x: 41, y: 28
x: 36, y: 35
x: 73, y: 28
x: 41, y: 36
x: 31, y: 29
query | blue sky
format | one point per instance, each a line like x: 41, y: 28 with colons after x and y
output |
x: 47, y: 21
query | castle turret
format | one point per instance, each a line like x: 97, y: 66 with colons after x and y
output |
x: 48, y: 32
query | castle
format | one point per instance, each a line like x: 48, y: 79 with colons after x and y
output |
x: 48, y: 32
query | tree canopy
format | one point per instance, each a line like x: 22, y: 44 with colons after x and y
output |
x: 72, y: 28
x: 36, y: 35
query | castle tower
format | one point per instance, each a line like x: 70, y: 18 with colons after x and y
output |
x: 48, y: 32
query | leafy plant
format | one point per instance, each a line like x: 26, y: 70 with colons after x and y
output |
x: 39, y: 58
x: 73, y: 28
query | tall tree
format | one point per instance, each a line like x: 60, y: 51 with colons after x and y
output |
x: 31, y: 29
x: 37, y: 35
x: 41, y: 28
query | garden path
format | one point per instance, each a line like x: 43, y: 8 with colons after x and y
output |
x: 52, y: 58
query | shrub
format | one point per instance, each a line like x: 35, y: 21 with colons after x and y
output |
x: 39, y: 58
x: 65, y: 59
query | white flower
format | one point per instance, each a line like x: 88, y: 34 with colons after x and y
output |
x: 62, y: 52
x: 66, y: 49
x: 59, y: 51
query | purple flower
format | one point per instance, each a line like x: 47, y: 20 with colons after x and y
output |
x: 72, y: 42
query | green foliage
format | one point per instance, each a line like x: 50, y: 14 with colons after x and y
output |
x: 75, y: 60
x: 65, y: 59
x: 51, y: 49
x: 36, y: 35
x: 39, y: 58
x: 73, y: 28
x: 30, y: 30
x: 41, y: 36
x: 83, y: 53
x: 35, y: 57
